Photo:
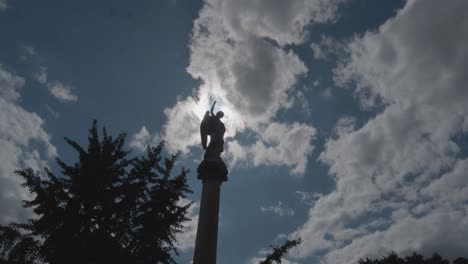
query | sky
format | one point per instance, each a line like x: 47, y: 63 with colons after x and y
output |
x: 346, y: 119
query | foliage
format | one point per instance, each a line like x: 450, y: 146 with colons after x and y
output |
x: 278, y: 252
x: 393, y: 258
x: 106, y: 208
x: 24, y: 249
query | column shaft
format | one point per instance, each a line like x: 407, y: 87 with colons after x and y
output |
x: 207, y: 231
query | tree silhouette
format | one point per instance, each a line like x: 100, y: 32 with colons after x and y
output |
x: 460, y: 260
x: 105, y: 208
x: 393, y: 258
x: 278, y: 252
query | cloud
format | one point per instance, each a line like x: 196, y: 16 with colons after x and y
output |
x: 186, y: 240
x: 26, y: 51
x: 345, y: 125
x: 51, y: 111
x: 182, y: 128
x: 22, y: 139
x: 465, y: 125
x: 3, y: 5
x: 142, y: 139
x: 450, y: 189
x: 283, y: 22
x: 41, y: 75
x: 279, y: 209
x: 277, y: 144
x: 239, y: 52
x: 328, y: 48
x: 415, y: 69
x: 236, y: 153
x: 303, y: 102
x: 56, y: 88
x: 11, y: 84
x: 62, y: 92
x: 308, y: 198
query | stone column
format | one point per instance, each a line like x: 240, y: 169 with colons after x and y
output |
x: 212, y: 174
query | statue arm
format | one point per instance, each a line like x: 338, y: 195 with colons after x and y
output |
x: 212, y: 109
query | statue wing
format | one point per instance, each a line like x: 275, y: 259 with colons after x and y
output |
x: 205, y: 129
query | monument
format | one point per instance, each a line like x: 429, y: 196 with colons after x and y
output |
x: 212, y: 171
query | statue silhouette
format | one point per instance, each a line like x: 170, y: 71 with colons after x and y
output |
x: 212, y: 126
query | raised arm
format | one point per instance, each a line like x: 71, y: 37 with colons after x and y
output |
x: 212, y: 109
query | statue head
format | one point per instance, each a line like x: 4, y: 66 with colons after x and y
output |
x: 220, y: 114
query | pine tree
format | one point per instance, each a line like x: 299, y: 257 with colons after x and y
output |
x: 105, y: 208
x: 277, y: 253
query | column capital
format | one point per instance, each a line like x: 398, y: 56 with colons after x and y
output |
x: 212, y: 170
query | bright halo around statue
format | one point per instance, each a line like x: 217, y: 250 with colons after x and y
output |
x: 204, y: 98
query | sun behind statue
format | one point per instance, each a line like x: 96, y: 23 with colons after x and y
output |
x: 212, y: 126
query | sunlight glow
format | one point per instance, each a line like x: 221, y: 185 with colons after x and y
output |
x: 207, y: 94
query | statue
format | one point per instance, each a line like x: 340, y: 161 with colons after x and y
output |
x: 212, y: 171
x: 212, y: 126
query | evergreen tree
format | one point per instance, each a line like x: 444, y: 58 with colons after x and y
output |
x: 393, y: 258
x: 106, y: 208
x: 277, y: 253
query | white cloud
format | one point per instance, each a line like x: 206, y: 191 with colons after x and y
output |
x: 308, y: 198
x: 56, y: 88
x: 327, y: 48
x: 19, y: 128
x: 303, y: 102
x: 51, y: 111
x: 279, y: 209
x: 417, y: 67
x: 282, y: 21
x: 3, y: 5
x: 41, y: 75
x: 439, y: 231
x: 143, y: 138
x: 465, y: 125
x: 186, y: 240
x: 10, y: 85
x: 451, y: 189
x: 251, y: 75
x: 283, y: 144
x: 182, y: 128
x: 277, y: 144
x: 236, y: 153
x: 238, y: 52
x: 62, y: 92
x: 26, y: 51
x: 345, y: 125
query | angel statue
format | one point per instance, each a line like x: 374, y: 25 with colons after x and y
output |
x: 212, y: 126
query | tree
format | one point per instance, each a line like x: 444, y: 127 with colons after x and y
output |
x: 105, y: 208
x: 393, y: 258
x: 460, y: 260
x: 277, y: 253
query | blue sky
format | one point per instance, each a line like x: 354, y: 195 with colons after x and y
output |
x: 346, y: 119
